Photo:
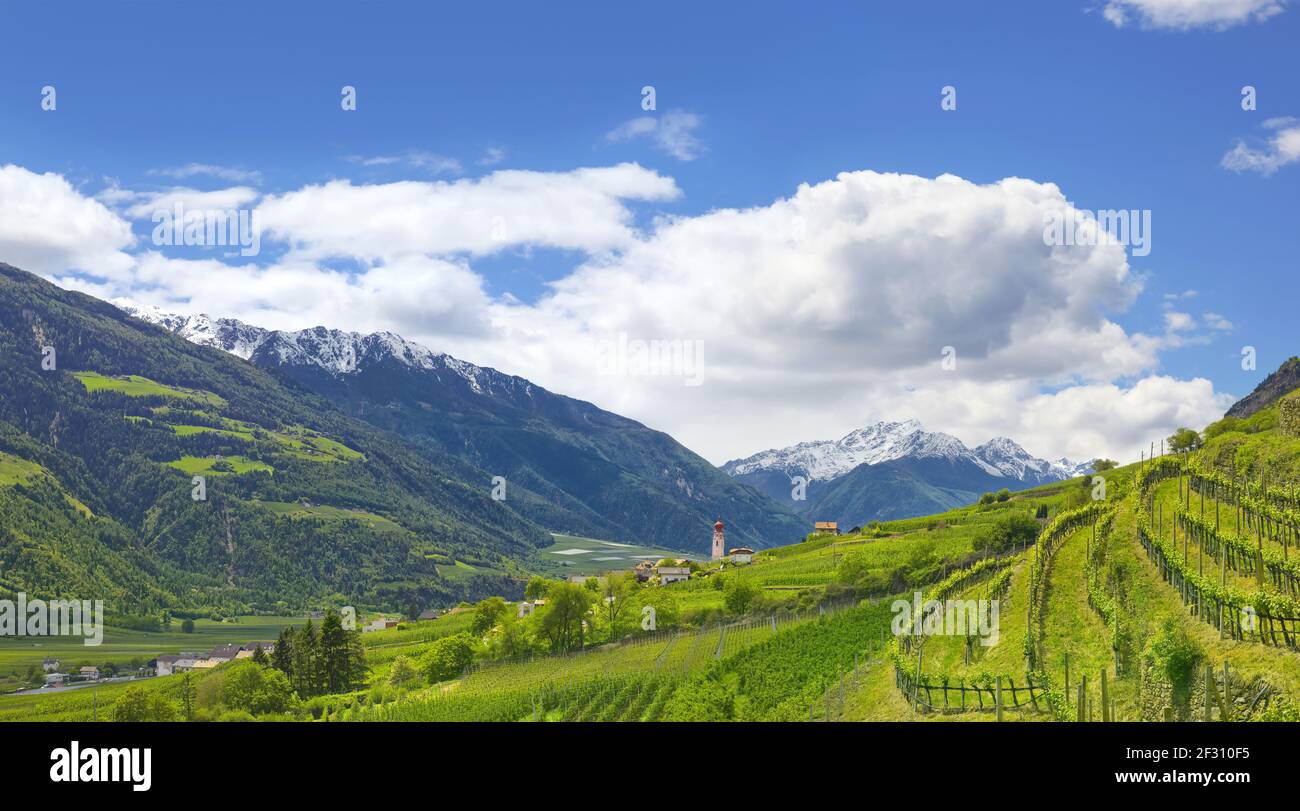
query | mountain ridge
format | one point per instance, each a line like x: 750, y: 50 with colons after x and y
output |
x: 587, y: 471
x: 894, y: 470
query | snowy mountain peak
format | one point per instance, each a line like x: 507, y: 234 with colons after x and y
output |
x: 887, y: 441
x: 334, y: 351
x: 829, y: 459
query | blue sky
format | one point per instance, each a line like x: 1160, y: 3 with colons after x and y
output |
x: 1137, y: 116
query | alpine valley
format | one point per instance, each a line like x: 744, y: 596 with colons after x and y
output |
x: 340, y: 466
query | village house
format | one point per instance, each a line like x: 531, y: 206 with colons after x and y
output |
x: 184, y: 664
x: 826, y: 527
x: 380, y: 624
x: 425, y: 616
x: 644, y: 570
x: 89, y: 672
x: 55, y: 679
x: 50, y: 665
x: 164, y: 665
x: 224, y: 653
x: 741, y: 555
x: 673, y: 574
x: 251, y: 648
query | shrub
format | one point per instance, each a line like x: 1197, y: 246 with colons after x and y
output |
x: 138, y: 703
x: 448, y: 657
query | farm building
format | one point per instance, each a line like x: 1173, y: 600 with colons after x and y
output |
x: 673, y: 574
x: 741, y: 554
x: 164, y: 665
x: 829, y: 527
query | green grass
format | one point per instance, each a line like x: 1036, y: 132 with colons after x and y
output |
x: 202, y: 465
x: 324, y: 512
x: 122, y: 645
x: 14, y: 470
x: 136, y: 386
x: 587, y: 559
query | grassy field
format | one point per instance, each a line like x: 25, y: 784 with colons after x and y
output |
x: 572, y: 555
x: 203, y: 465
x: 18, y: 471
x: 136, y: 386
x: 325, y: 512
x: 122, y: 646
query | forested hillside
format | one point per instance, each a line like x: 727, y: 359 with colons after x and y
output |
x: 104, y: 422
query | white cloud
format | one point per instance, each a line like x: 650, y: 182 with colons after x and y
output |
x: 492, y: 156
x: 1216, y: 321
x: 1279, y: 150
x: 817, y: 313
x: 415, y: 159
x: 143, y: 205
x: 226, y: 173
x: 584, y: 209
x: 672, y: 132
x: 406, y: 295
x: 1184, y: 15
x: 47, y: 226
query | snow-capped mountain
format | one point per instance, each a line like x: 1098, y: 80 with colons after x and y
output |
x: 572, y: 467
x: 894, y: 470
x: 329, y: 350
x: 888, y: 441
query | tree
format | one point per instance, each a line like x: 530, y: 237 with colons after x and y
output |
x: 486, y: 614
x: 738, y: 595
x: 188, y: 695
x: 536, y: 588
x: 987, y: 499
x: 256, y: 689
x: 187, y: 627
x: 306, y: 653
x: 1184, y: 439
x: 1103, y: 465
x: 615, y: 593
x: 511, y: 638
x: 448, y: 657
x: 403, y: 672
x: 139, y: 703
x: 1004, y: 494
x: 563, y: 619
x: 282, y: 655
x: 332, y: 663
x: 260, y: 657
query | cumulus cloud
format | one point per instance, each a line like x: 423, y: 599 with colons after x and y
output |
x: 584, y: 209
x: 672, y: 133
x: 1281, y: 148
x: 814, y: 314
x: 1183, y: 15
x: 47, y: 226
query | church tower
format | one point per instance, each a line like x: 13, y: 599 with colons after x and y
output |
x: 719, y: 544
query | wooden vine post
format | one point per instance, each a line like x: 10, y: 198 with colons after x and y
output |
x: 1105, y: 698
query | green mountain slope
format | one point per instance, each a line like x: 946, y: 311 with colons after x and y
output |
x: 128, y: 414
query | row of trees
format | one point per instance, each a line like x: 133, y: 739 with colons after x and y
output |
x: 319, y: 661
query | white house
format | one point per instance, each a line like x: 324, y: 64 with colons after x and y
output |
x: 673, y: 574
x: 741, y: 555
x: 165, y: 665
